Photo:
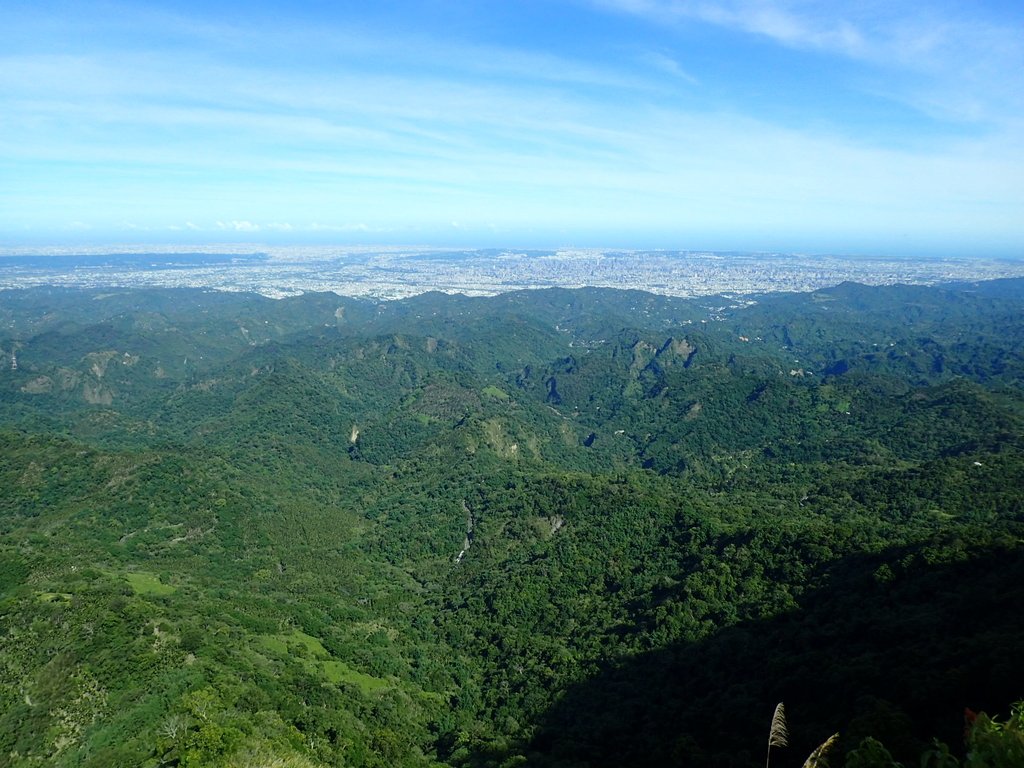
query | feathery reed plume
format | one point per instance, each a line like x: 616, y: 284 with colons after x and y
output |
x: 778, y: 736
x: 817, y: 758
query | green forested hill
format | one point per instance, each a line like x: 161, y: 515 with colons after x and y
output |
x: 556, y: 528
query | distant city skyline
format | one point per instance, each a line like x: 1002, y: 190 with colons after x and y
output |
x: 396, y: 273
x: 755, y: 125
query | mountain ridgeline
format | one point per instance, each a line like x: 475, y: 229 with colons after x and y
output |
x: 557, y: 528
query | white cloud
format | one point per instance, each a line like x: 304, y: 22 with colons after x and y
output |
x: 320, y: 227
x: 238, y: 226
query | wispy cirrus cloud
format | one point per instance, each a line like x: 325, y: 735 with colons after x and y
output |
x: 668, y: 65
x: 908, y: 33
x: 775, y: 20
x: 958, y: 62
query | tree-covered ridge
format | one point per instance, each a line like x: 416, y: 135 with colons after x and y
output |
x: 562, y: 527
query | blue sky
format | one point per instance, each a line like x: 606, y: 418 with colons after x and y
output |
x: 793, y: 125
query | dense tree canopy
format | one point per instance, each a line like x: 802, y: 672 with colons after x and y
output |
x: 556, y: 528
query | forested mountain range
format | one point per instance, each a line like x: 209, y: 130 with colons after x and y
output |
x: 560, y: 528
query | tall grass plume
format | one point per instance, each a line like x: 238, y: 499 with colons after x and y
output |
x: 778, y: 735
x: 818, y: 758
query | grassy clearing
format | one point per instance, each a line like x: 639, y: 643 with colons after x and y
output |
x: 149, y: 584
x: 289, y: 641
x: 498, y: 394
x: 340, y: 672
x: 318, y: 659
x: 54, y: 597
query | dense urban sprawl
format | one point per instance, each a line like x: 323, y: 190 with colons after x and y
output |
x: 393, y: 273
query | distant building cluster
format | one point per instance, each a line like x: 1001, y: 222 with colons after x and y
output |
x: 394, y: 273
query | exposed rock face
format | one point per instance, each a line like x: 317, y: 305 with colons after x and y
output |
x: 643, y: 355
x: 97, y: 394
x: 646, y: 357
x: 38, y: 386
x: 98, y: 362
x: 553, y: 395
x: 679, y: 348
